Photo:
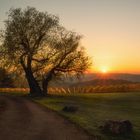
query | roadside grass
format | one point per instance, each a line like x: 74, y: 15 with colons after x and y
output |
x: 94, y: 109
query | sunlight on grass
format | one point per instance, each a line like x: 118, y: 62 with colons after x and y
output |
x: 94, y: 109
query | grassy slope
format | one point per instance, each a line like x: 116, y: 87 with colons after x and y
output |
x: 95, y: 108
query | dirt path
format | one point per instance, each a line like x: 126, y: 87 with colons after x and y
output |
x: 25, y: 120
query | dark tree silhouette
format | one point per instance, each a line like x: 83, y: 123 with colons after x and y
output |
x: 5, y: 79
x: 34, y: 42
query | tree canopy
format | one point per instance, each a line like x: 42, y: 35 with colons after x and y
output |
x: 34, y: 42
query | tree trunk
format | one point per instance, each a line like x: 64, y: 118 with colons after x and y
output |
x: 46, y: 81
x: 45, y: 86
x: 35, y: 89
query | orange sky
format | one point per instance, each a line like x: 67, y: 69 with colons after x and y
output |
x: 110, y: 28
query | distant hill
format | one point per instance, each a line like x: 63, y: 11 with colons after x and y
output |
x: 99, y: 79
x: 127, y: 77
x: 103, y: 82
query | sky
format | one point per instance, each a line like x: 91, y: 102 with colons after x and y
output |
x: 110, y: 28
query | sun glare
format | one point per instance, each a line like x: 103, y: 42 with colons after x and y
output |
x: 104, y: 70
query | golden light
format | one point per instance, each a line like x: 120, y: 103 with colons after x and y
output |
x: 104, y: 70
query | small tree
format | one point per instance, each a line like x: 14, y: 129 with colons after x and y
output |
x: 35, y: 43
x: 5, y: 79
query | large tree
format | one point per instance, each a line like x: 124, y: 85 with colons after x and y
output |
x: 34, y: 42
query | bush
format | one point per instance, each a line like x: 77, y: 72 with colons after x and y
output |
x: 5, y: 79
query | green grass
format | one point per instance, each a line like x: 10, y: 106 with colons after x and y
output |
x: 94, y: 109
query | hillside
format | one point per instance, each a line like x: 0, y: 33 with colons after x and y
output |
x: 102, y: 82
x: 128, y: 77
x: 98, y: 79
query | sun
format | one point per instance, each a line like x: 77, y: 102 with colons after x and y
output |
x: 104, y: 70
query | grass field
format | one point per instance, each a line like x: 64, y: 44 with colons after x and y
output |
x: 94, y: 109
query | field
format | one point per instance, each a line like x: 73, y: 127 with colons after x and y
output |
x: 94, y: 109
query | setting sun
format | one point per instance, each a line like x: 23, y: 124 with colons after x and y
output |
x: 104, y: 70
